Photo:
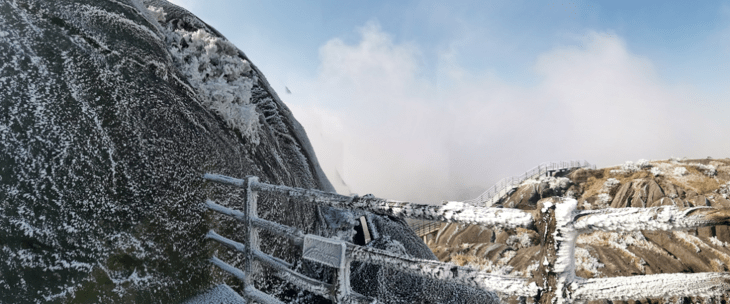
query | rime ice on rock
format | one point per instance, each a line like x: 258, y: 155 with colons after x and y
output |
x: 212, y: 66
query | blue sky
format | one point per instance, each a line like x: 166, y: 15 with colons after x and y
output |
x: 429, y: 100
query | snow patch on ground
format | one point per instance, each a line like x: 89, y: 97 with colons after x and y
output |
x: 584, y: 261
x: 631, y: 167
x: 656, y: 171
x: 680, y: 171
x: 558, y: 183
x: 519, y: 241
x: 717, y: 242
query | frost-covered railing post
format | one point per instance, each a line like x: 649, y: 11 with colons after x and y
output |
x: 252, y: 233
x: 556, y: 268
x: 330, y: 252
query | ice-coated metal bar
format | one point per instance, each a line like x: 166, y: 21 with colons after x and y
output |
x: 225, y: 179
x: 227, y: 242
x: 443, y: 271
x: 293, y: 234
x: 242, y: 248
x: 654, y: 218
x: 456, y: 212
x: 706, y: 285
x: 227, y: 211
x: 251, y: 237
x: 228, y: 268
x: 282, y: 267
x: 260, y: 297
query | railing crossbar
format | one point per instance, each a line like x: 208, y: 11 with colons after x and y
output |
x: 665, y: 218
x: 263, y: 257
x: 294, y: 235
x: 454, y: 212
x: 230, y: 269
x: 704, y: 284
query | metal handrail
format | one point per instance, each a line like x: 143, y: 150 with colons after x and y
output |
x: 503, y: 186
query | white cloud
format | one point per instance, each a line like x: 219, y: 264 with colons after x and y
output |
x: 386, y: 129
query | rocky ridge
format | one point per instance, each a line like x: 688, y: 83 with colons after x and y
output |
x: 674, y: 182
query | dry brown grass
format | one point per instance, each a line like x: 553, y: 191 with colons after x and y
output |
x: 625, y: 178
x: 695, y: 180
x: 463, y: 260
x: 699, y: 182
x: 594, y: 185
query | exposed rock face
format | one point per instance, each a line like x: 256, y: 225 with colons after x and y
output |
x: 604, y: 254
x: 110, y: 112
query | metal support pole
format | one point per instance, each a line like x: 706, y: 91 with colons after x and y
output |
x: 252, y: 234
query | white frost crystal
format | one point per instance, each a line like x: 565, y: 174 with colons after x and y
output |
x: 643, y: 164
x: 610, y: 184
x: 158, y: 13
x: 656, y: 171
x: 556, y: 183
x: 680, y: 171
x: 223, y: 79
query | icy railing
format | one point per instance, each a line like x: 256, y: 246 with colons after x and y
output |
x: 505, y: 185
x: 423, y: 227
x: 325, y: 251
x: 557, y: 221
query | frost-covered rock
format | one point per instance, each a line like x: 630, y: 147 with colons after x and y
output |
x: 558, y: 183
x: 643, y: 164
x: 656, y: 171
x: 223, y: 79
x: 631, y: 167
x: 680, y: 171
x: 610, y: 184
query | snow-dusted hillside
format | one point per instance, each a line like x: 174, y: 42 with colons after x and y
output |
x: 104, y: 134
x: 681, y: 183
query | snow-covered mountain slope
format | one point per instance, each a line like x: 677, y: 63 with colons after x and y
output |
x: 110, y: 112
x: 681, y: 183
